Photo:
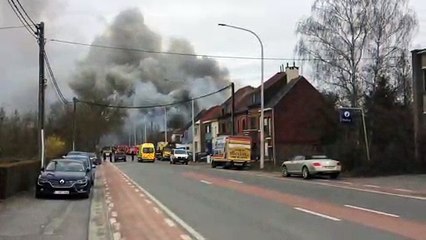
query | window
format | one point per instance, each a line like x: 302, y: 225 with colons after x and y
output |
x: 207, y: 128
x: 424, y: 80
x: 223, y: 127
x: 244, y: 124
x: 253, y: 122
x: 196, y: 130
x: 148, y: 150
x: 267, y: 122
x: 238, y: 126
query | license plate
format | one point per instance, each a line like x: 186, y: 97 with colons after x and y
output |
x: 329, y: 166
x: 61, y: 192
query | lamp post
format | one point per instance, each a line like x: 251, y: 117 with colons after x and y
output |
x: 262, y: 103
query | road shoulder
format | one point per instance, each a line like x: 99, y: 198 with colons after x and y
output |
x: 99, y: 228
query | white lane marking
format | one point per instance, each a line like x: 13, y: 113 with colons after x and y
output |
x: 206, y: 182
x: 344, y: 187
x: 156, y: 210
x: 318, y: 214
x: 136, y: 190
x: 170, y: 222
x: 147, y: 201
x: 235, y: 181
x: 114, y: 214
x: 348, y: 183
x: 372, y: 211
x: 116, y: 226
x: 171, y: 214
x: 185, y: 237
x: 111, y: 205
x: 141, y: 195
x: 116, y: 236
x: 112, y: 221
x: 371, y: 186
x: 403, y: 190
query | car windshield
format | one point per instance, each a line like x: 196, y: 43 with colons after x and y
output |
x: 65, y: 166
x: 180, y: 151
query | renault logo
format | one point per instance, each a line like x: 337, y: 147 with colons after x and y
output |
x: 62, y: 181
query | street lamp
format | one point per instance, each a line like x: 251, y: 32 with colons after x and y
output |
x: 262, y: 103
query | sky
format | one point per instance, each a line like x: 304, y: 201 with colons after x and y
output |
x: 196, y: 21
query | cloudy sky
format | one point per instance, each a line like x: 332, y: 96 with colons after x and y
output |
x: 193, y: 20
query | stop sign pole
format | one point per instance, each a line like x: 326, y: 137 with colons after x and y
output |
x: 347, y: 117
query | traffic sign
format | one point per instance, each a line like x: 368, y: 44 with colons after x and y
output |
x: 345, y: 115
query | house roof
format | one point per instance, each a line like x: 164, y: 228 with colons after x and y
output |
x: 283, y: 92
x: 242, y: 97
x: 212, y: 113
x: 196, y: 118
x: 273, y: 80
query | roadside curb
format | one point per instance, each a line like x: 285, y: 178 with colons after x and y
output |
x: 99, y: 228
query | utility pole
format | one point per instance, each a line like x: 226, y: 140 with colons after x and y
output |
x: 41, y: 82
x: 74, y: 122
x: 165, y: 124
x: 193, y: 130
x: 233, y: 108
x: 144, y: 132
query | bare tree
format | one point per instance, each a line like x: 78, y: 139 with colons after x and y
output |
x: 392, y: 26
x: 355, y: 42
x: 335, y: 35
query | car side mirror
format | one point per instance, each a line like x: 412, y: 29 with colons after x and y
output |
x: 42, y: 169
x: 88, y: 170
x: 93, y: 165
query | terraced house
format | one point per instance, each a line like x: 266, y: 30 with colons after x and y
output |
x: 296, y: 116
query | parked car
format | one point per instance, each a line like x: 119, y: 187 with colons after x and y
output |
x: 309, y: 166
x: 179, y: 156
x: 64, y: 177
x: 87, y: 162
x: 120, y: 156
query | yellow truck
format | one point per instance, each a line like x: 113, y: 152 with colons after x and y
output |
x: 231, y: 151
x: 146, y: 153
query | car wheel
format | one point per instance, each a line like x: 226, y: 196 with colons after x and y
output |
x: 334, y: 175
x: 214, y: 164
x: 305, y: 173
x: 186, y: 163
x: 285, y: 171
x: 86, y: 195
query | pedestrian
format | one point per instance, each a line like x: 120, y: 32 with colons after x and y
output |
x: 133, y: 155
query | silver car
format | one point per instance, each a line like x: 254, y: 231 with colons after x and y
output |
x: 309, y: 166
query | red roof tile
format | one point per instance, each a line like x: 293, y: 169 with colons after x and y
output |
x: 212, y: 113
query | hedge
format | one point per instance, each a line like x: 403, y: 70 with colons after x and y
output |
x: 17, y: 176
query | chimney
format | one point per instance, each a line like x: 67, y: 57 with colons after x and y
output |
x: 292, y: 72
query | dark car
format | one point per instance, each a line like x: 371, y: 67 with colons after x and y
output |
x: 64, y: 177
x: 120, y: 156
x: 87, y: 163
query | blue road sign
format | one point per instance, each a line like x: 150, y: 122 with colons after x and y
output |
x: 345, y: 115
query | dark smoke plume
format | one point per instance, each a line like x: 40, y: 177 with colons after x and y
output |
x: 136, y: 78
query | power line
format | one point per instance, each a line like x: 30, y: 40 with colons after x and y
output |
x: 26, y: 14
x: 171, y: 53
x: 22, y: 18
x: 53, y: 79
x: 11, y: 27
x: 152, y: 106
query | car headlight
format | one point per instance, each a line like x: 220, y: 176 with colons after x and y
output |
x: 82, y: 181
x: 42, y: 180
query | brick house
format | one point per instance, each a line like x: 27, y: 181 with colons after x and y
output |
x: 291, y: 104
x: 209, y: 127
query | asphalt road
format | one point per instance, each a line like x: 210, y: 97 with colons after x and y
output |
x: 226, y: 204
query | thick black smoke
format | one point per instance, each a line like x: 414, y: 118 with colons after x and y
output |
x: 137, y: 78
